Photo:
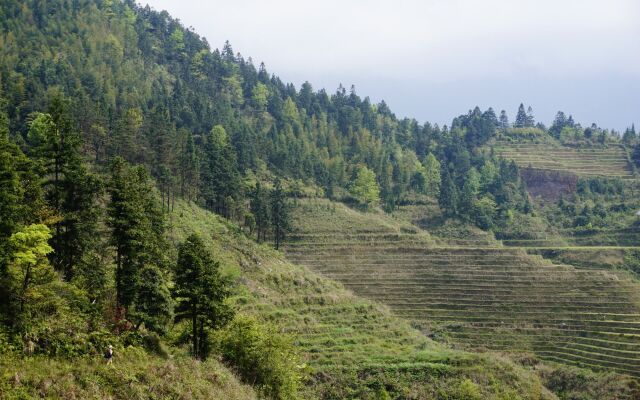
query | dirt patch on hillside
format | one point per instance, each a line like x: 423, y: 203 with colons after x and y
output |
x: 547, y: 185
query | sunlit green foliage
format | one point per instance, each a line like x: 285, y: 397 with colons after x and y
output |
x: 364, y: 187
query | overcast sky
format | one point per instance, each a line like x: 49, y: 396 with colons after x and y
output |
x: 436, y: 59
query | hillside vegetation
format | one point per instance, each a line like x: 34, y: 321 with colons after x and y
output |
x: 353, y: 347
x: 474, y: 295
x: 135, y: 375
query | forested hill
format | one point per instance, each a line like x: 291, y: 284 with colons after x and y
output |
x: 143, y: 87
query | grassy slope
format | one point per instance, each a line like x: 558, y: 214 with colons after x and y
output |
x: 133, y: 375
x: 354, y: 348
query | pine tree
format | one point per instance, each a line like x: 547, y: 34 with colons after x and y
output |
x: 531, y: 121
x: 504, y: 121
x: 71, y: 191
x: 21, y: 204
x: 11, y: 192
x: 559, y: 122
x: 220, y: 177
x: 521, y: 117
x: 259, y: 208
x: 448, y: 199
x: 200, y: 292
x: 279, y: 214
x: 629, y: 136
x: 137, y: 228
x: 635, y: 156
x: 153, y: 303
x: 189, y: 170
x: 470, y: 191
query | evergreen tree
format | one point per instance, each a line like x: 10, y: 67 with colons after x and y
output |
x: 21, y: 204
x: 153, y: 304
x: 16, y: 174
x: 137, y: 228
x: 260, y: 210
x: 432, y: 166
x: 504, y: 121
x: 629, y: 136
x: 71, y: 191
x: 521, y: 117
x: 448, y: 198
x: 530, y: 121
x: 220, y: 180
x: 635, y: 156
x: 279, y: 214
x: 470, y: 191
x: 200, y: 292
x: 188, y: 167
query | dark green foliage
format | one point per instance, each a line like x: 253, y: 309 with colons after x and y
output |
x: 598, y: 185
x: 146, y: 86
x: 220, y: 181
x: 260, y: 211
x: 524, y: 119
x: 559, y: 123
x: 279, y: 213
x: 521, y: 117
x: 70, y: 190
x: 629, y: 136
x: 200, y: 293
x: 137, y: 228
x: 153, y: 305
x: 448, y: 199
x: 189, y: 168
x: 21, y: 204
x: 635, y: 156
x: 478, y: 127
x: 504, y: 121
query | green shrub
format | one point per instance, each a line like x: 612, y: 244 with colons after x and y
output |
x: 261, y: 356
x: 467, y: 390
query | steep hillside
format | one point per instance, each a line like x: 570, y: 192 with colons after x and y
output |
x: 477, y: 295
x: 354, y: 347
x: 134, y: 375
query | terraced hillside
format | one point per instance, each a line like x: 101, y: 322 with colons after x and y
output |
x: 476, y: 296
x: 353, y: 347
x: 608, y: 161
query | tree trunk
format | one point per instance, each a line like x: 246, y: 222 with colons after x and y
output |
x: 194, y: 328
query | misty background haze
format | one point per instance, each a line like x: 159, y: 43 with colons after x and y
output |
x: 433, y: 60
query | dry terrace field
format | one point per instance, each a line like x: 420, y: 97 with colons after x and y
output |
x: 477, y: 296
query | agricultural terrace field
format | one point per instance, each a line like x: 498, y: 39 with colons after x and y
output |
x: 610, y: 161
x: 352, y: 346
x: 475, y: 296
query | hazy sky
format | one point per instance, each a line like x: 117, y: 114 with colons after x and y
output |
x: 436, y: 59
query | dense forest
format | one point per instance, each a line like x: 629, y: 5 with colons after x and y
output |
x: 110, y: 111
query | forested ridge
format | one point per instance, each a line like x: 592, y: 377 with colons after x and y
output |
x: 111, y: 113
